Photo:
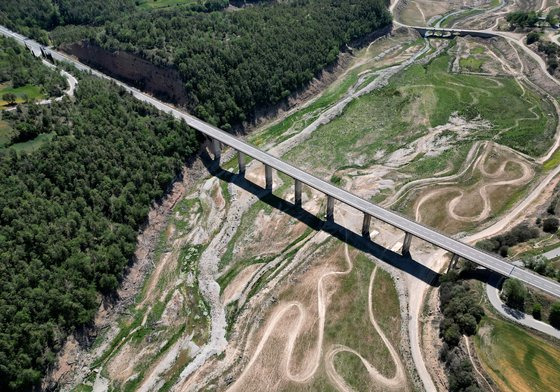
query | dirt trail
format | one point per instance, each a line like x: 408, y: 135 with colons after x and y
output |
x: 467, y: 345
x: 312, y: 364
x: 467, y: 165
x: 72, y: 83
x: 395, y: 382
x: 526, y: 176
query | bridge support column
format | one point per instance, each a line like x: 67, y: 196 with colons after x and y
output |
x: 241, y: 161
x: 452, y: 263
x: 297, y: 189
x: 406, y: 244
x: 216, y: 150
x: 330, y: 209
x: 365, y: 225
x: 268, y: 177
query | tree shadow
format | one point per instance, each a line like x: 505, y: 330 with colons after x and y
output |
x: 404, y: 263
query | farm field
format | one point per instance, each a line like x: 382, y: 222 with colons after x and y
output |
x: 517, y: 360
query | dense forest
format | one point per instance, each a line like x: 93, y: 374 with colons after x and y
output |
x: 34, y: 18
x: 232, y: 63
x: 70, y: 212
x: 460, y: 317
x: 235, y: 62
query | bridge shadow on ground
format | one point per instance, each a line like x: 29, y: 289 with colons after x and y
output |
x: 404, y: 263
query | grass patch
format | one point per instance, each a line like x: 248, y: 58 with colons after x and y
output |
x: 226, y: 279
x: 300, y: 119
x: 471, y: 64
x: 33, y: 145
x: 553, y: 161
x: 451, y: 20
x: 151, y: 4
x: 83, y: 388
x: 478, y: 50
x: 515, y: 359
x: 386, y: 310
x: 32, y: 92
x: 421, y: 97
x: 125, y: 328
x: 349, y: 320
x: 5, y: 133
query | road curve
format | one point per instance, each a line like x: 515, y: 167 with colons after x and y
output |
x: 515, y: 315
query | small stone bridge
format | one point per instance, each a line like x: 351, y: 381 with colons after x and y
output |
x: 441, y: 32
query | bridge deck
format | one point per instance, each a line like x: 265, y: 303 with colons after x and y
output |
x: 430, y: 235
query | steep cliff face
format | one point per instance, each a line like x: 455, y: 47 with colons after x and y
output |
x: 164, y: 83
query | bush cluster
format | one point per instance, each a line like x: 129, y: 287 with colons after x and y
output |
x: 514, y: 294
x: 522, y: 19
x: 501, y: 243
x: 460, y: 317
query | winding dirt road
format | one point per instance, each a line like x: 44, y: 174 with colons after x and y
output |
x: 312, y: 363
x: 395, y: 382
x: 527, y: 174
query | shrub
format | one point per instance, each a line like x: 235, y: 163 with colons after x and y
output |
x: 514, y: 294
x: 501, y: 243
x: 10, y: 98
x: 537, y: 308
x: 550, y: 225
x: 452, y: 335
x: 554, y: 316
x: 533, y: 37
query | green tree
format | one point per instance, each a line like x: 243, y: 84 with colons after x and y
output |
x: 554, y: 316
x: 514, y: 293
x: 537, y: 310
x: 533, y: 37
x: 10, y: 98
x: 550, y: 225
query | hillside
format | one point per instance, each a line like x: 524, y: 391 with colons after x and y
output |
x: 70, y: 214
x: 230, y: 63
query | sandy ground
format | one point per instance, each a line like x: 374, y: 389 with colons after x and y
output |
x: 290, y: 321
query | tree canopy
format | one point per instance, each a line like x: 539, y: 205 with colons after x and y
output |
x: 19, y: 67
x: 70, y: 213
x: 231, y: 63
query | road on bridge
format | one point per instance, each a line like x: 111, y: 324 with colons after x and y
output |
x: 416, y: 229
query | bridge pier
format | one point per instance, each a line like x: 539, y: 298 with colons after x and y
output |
x: 297, y: 189
x: 365, y: 225
x: 216, y: 150
x: 452, y: 263
x: 406, y: 244
x: 330, y: 209
x: 268, y: 177
x: 241, y: 161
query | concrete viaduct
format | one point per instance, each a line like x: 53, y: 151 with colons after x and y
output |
x: 333, y: 193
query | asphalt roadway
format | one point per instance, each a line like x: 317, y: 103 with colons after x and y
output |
x: 418, y: 230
